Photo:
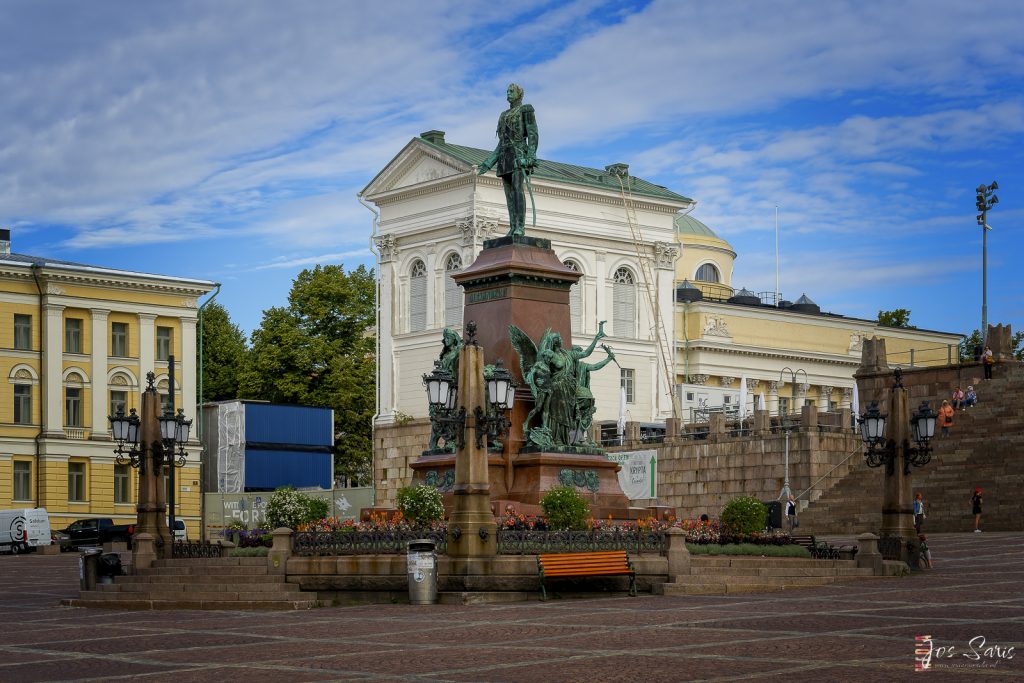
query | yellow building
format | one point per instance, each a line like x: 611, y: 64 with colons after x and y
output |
x: 76, y: 343
x: 789, y: 352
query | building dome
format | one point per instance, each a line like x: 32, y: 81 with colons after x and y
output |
x: 805, y: 305
x: 688, y: 293
x: 687, y: 225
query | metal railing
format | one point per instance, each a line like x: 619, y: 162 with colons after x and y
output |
x: 76, y: 433
x: 533, y: 542
x: 326, y: 543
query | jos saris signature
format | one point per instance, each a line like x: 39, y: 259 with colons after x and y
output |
x: 978, y: 652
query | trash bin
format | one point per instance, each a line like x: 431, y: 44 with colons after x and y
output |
x: 88, y: 568
x: 422, y: 564
x: 109, y: 567
x: 774, y: 518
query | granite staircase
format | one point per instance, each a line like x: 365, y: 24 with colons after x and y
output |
x: 226, y: 583
x: 985, y: 449
x: 724, y: 575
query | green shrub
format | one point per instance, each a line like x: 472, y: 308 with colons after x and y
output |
x: 421, y: 504
x: 744, y: 515
x: 249, y: 552
x: 565, y: 508
x: 316, y: 509
x: 289, y: 508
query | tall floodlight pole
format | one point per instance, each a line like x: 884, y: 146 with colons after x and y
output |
x: 986, y: 199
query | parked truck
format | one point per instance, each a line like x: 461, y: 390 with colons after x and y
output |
x: 24, y: 529
x: 95, y: 531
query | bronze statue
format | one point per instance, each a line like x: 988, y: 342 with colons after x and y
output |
x: 448, y: 360
x: 559, y: 381
x: 516, y: 157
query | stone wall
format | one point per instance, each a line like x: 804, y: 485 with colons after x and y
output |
x: 396, y: 447
x: 698, y: 477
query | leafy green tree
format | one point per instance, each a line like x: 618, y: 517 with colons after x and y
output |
x: 320, y: 351
x: 974, y: 340
x: 898, y: 317
x: 224, y: 350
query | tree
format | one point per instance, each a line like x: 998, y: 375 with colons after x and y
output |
x: 224, y: 350
x: 320, y: 351
x: 973, y: 340
x: 898, y: 317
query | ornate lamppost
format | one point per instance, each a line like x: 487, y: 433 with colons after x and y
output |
x: 454, y: 401
x: 149, y: 443
x: 898, y: 539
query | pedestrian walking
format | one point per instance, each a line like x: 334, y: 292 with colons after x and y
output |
x: 946, y: 418
x: 918, y: 511
x: 976, y: 510
x: 988, y: 360
x: 791, y: 513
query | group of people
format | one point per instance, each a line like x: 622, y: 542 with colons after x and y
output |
x: 920, y: 515
x: 963, y: 400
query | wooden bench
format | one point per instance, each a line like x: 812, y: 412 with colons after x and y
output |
x: 822, y: 550
x: 602, y: 563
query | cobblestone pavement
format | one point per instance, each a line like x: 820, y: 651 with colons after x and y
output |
x: 863, y: 630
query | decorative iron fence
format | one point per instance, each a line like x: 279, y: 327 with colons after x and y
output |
x: 317, y: 543
x: 195, y: 549
x: 532, y: 542
x: 891, y: 547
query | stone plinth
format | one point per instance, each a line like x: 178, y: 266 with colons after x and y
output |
x: 516, y: 281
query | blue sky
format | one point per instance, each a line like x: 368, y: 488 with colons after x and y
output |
x: 227, y: 140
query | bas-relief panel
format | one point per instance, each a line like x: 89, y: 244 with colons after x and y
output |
x: 423, y: 170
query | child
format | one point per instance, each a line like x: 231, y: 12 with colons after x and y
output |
x: 925, y: 558
x: 918, y: 511
x: 976, y: 510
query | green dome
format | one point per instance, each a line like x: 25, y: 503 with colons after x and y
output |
x: 688, y: 225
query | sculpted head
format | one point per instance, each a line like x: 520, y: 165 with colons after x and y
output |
x: 514, y: 93
x: 449, y: 338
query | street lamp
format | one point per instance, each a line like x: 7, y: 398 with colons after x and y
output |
x: 985, y: 201
x: 883, y: 452
x: 490, y: 421
x: 172, y: 430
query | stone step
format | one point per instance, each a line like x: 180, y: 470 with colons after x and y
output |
x: 195, y: 570
x: 203, y: 578
x: 212, y: 562
x: 140, y: 587
x: 756, y: 580
x: 713, y: 589
x: 160, y: 604
x: 191, y: 596
x: 783, y: 571
x: 755, y: 562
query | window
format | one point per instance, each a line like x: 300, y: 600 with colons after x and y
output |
x: 72, y: 407
x: 783, y: 405
x: 623, y: 303
x: 707, y: 273
x: 118, y: 402
x: 165, y: 403
x: 119, y: 339
x: 452, y: 292
x: 627, y: 382
x: 73, y: 335
x: 122, y: 484
x: 23, y: 404
x: 418, y: 297
x: 164, y: 342
x: 76, y: 481
x: 22, y: 480
x: 22, y: 332
x: 575, y: 298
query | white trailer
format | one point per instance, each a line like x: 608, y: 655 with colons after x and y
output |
x: 24, y: 528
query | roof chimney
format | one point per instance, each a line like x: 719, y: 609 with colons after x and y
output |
x: 5, y: 241
x: 435, y: 137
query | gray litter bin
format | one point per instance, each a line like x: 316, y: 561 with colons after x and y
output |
x: 88, y: 568
x: 422, y: 564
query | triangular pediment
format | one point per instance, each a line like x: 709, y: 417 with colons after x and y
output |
x: 415, y: 164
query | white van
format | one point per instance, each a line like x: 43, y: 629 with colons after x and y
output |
x: 24, y: 528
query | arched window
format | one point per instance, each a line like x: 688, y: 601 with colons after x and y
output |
x: 418, y: 296
x: 452, y: 293
x: 623, y: 303
x: 575, y: 298
x: 707, y: 273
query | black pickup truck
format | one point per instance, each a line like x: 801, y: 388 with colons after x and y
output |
x: 86, y: 532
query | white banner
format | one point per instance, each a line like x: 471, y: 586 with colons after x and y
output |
x: 639, y: 474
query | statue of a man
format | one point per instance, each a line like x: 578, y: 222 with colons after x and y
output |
x: 515, y: 157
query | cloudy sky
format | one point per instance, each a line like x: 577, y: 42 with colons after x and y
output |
x: 227, y: 140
